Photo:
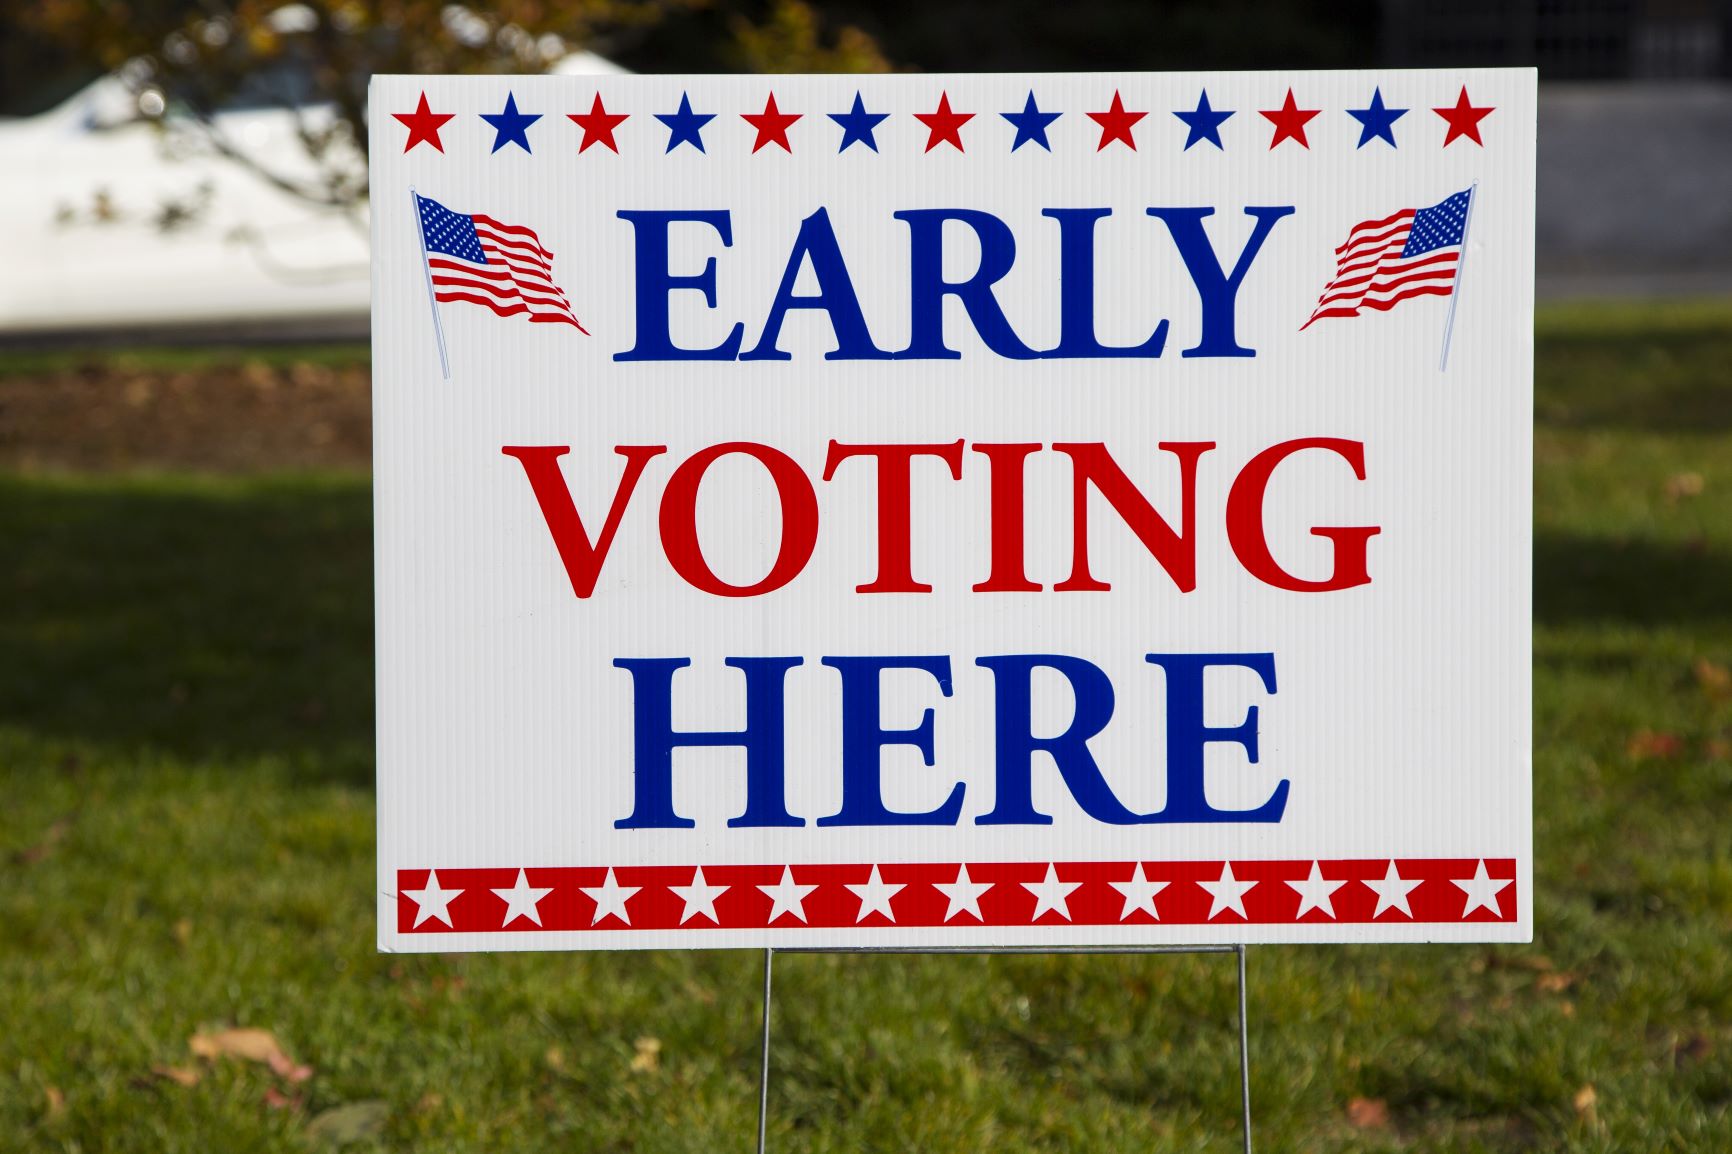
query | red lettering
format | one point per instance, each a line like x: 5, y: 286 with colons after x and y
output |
x: 1245, y: 521
x: 583, y: 561
x: 1007, y: 574
x: 1177, y: 552
x: 680, y: 530
x: 895, y: 498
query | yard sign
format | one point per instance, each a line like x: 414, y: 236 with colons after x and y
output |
x: 953, y: 510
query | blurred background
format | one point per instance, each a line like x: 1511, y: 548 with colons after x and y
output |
x: 227, y: 139
x: 186, y: 668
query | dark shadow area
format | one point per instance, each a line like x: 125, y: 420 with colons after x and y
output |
x: 1580, y: 580
x: 196, y: 617
x: 1025, y: 36
x: 1671, y: 382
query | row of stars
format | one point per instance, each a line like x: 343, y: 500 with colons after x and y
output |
x: 1051, y: 894
x: 944, y: 124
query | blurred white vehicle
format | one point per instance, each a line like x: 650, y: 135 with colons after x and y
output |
x: 118, y: 225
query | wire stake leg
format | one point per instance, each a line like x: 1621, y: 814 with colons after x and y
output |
x: 1244, y: 1053
x: 764, y: 1069
x: 1238, y: 950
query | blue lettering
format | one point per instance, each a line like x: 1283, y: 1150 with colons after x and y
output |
x: 1187, y: 735
x: 1218, y: 291
x: 864, y: 736
x: 927, y: 287
x: 836, y: 296
x: 655, y: 282
x: 1016, y: 745
x: 1076, y: 287
x: 762, y: 739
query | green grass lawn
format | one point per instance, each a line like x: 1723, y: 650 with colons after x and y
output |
x: 186, y: 844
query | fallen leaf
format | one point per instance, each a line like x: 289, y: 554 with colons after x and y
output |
x: 1555, y: 983
x: 1585, y: 1101
x: 1682, y: 485
x: 183, y: 931
x: 1647, y: 744
x: 1715, y: 680
x: 56, y: 1103
x: 51, y: 837
x: 250, y: 1046
x: 289, y: 1070
x: 181, y: 1074
x: 1567, y: 1009
x: 350, y: 1122
x: 555, y: 1058
x: 648, y: 1055
x: 1368, y: 1113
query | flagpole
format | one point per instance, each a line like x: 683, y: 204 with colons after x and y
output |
x: 432, y: 301
x: 1455, y: 286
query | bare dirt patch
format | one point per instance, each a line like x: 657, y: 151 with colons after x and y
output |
x: 245, y: 417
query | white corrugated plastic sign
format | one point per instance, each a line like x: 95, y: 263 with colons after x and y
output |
x: 953, y: 510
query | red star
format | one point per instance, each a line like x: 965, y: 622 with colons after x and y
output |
x: 598, y: 124
x: 943, y: 125
x: 1116, y: 123
x: 772, y: 124
x: 1289, y: 121
x: 423, y: 124
x: 1464, y: 119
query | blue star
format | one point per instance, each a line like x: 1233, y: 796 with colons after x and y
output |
x: 511, y: 126
x: 1203, y: 122
x: 858, y: 125
x: 1031, y: 124
x: 685, y: 126
x: 1376, y: 121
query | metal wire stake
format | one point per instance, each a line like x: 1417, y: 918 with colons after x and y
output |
x: 1238, y: 950
x: 1244, y: 1052
x: 764, y: 1070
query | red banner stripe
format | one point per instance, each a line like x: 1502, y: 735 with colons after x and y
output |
x: 1005, y: 897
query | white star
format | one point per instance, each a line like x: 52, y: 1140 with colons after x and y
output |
x: 1228, y: 892
x: 1314, y: 892
x: 875, y: 896
x: 1392, y: 892
x: 1481, y: 890
x: 964, y: 894
x: 1139, y: 894
x: 610, y: 898
x: 700, y: 898
x: 521, y: 900
x: 787, y: 896
x: 431, y: 901
x: 1050, y: 894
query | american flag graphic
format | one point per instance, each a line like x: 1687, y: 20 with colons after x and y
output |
x: 1411, y: 253
x: 482, y: 261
